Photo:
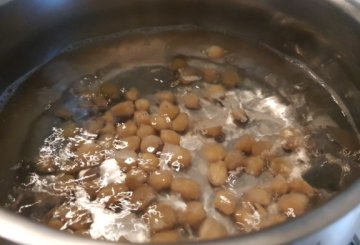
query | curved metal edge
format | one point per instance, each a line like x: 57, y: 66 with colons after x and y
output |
x: 350, y: 7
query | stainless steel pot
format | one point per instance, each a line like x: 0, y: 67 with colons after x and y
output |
x: 34, y: 31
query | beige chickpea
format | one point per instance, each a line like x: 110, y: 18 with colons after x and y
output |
x: 63, y: 183
x: 170, y: 236
x: 135, y: 178
x: 212, y: 132
x: 123, y: 109
x: 46, y: 166
x: 151, y: 143
x: 234, y: 159
x: 69, y: 129
x: 245, y: 143
x: 141, y: 117
x: 132, y: 94
x: 91, y: 187
x: 145, y: 130
x: 213, y: 152
x: 230, y: 78
x: 191, y: 101
x: 126, y: 159
x: 258, y: 195
x: 210, y: 75
x: 70, y: 216
x: 85, y: 151
x: 301, y: 186
x: 279, y: 185
x: 143, y: 196
x: 244, y: 217
x: 109, y: 117
x: 254, y: 165
x: 148, y: 162
x: 291, y: 139
x: 112, y: 194
x: 217, y: 173
x: 212, y: 229
x: 99, y: 101
x: 160, y: 179
x: 160, y: 122
x: 94, y: 125
x: 168, y: 109
x: 177, y: 63
x: 180, y: 123
x: 215, y: 92
x: 110, y: 90
x: 280, y: 165
x: 170, y: 137
x: 194, y: 213
x: 187, y: 188
x: 239, y: 116
x: 225, y: 202
x: 126, y: 129
x: 177, y: 157
x: 165, y: 95
x: 131, y: 142
x: 262, y: 148
x: 293, y: 204
x: 215, y: 52
x: 188, y: 75
x: 160, y: 217
x: 108, y: 129
x: 142, y: 104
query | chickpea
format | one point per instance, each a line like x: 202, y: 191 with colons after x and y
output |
x: 132, y: 94
x: 108, y: 129
x: 63, y: 183
x: 194, y: 214
x: 123, y: 109
x: 132, y: 142
x: 178, y: 157
x: 160, y: 122
x: 160, y: 217
x: 46, y: 166
x: 94, y: 125
x: 234, y: 159
x: 279, y: 185
x: 244, y: 217
x: 293, y: 204
x: 168, y: 109
x: 210, y: 75
x: 99, y: 101
x: 151, y: 143
x: 69, y: 129
x: 70, y: 216
x: 177, y: 63
x: 170, y: 137
x: 181, y: 122
x: 110, y: 90
x: 272, y: 220
x: 212, y: 229
x: 291, y: 139
x: 112, y: 194
x: 89, y: 174
x: 187, y: 188
x: 170, y: 236
x: 141, y: 117
x: 191, y: 101
x: 215, y: 52
x: 142, y: 104
x: 135, y: 178
x: 165, y: 95
x: 262, y: 148
x: 239, y: 116
x: 160, y: 179
x: 145, y: 130
x: 212, y: 132
x: 84, y: 151
x: 245, y: 143
x: 213, y: 152
x: 148, y: 162
x: 258, y: 195
x: 143, y: 196
x: 63, y: 113
x: 280, y: 165
x: 230, y: 78
x: 188, y: 75
x: 215, y: 92
x: 126, y: 129
x: 109, y: 117
x: 225, y: 202
x: 217, y: 173
x: 301, y: 186
x: 56, y: 224
x: 91, y: 187
x: 254, y: 166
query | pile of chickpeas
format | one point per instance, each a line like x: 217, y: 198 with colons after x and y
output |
x: 142, y: 135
